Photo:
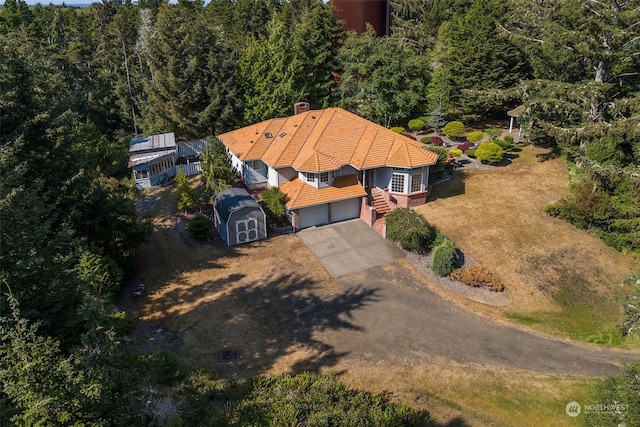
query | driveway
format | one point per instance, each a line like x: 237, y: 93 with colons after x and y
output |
x: 407, y: 324
x: 349, y: 246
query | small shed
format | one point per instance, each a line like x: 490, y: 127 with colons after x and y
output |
x: 238, y: 217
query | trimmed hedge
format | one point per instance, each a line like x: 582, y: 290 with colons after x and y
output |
x: 416, y: 124
x: 410, y: 230
x: 475, y: 136
x: 397, y: 129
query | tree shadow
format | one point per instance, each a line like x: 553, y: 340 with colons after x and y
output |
x: 256, y: 326
x: 451, y: 188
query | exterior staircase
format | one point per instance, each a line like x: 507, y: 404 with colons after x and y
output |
x: 380, y: 203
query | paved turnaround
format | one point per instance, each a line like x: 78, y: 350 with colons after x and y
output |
x: 349, y: 246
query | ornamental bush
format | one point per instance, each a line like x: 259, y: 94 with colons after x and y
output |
x: 442, y: 154
x: 398, y: 129
x: 475, y: 136
x: 503, y: 144
x: 478, y: 277
x: 455, y: 152
x: 445, y: 258
x: 199, y: 226
x: 453, y: 129
x: 410, y: 230
x: 416, y: 124
x: 471, y: 152
x: 489, y: 152
x: 274, y: 202
x: 493, y: 133
x: 509, y: 139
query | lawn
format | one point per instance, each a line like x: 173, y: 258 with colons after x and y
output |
x: 204, y: 299
x: 562, y: 280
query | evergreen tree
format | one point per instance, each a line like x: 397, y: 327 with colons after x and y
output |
x: 381, y: 81
x: 192, y: 89
x: 478, y: 58
x: 272, y: 77
x: 218, y: 173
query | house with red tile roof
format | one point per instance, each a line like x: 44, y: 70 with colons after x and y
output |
x: 332, y: 164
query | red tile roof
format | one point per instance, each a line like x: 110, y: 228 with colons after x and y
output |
x: 325, y: 140
x: 301, y: 195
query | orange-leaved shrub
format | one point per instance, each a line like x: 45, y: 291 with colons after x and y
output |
x: 477, y: 277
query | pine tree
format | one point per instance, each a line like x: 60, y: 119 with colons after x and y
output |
x: 381, y: 81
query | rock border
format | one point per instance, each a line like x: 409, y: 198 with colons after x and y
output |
x: 421, y: 263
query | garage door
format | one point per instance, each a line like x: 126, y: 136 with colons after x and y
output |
x: 345, y: 209
x: 315, y: 215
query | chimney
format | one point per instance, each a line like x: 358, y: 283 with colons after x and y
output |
x: 300, y: 107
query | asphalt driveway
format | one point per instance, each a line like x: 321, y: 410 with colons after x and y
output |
x: 349, y: 246
x: 406, y: 323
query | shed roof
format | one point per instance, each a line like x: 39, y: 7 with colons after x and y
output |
x: 232, y: 200
x: 153, y: 143
x: 192, y: 148
x: 325, y: 140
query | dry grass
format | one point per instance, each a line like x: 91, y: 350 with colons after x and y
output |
x: 203, y: 298
x: 497, y: 217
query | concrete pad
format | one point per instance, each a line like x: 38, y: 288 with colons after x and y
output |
x: 341, y: 264
x: 349, y: 246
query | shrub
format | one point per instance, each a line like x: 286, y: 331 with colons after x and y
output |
x: 489, y: 152
x: 478, y: 277
x: 455, y: 152
x: 410, y: 230
x: 186, y: 195
x: 445, y: 258
x: 163, y: 367
x: 471, y: 152
x: 509, y: 139
x: 425, y: 119
x: 553, y: 210
x: 121, y: 323
x: 436, y: 140
x: 425, y: 140
x: 416, y: 124
x: 503, y: 144
x: 274, y: 202
x: 493, y: 133
x: 199, y: 226
x: 442, y: 154
x: 453, y: 129
x: 466, y: 146
x: 475, y: 136
x: 397, y: 129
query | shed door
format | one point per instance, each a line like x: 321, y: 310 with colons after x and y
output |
x: 315, y: 215
x: 246, y: 230
x: 345, y: 209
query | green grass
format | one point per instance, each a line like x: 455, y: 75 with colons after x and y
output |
x: 512, y: 398
x: 579, y: 322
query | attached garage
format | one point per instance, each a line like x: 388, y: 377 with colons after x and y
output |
x: 238, y: 217
x: 345, y: 209
x: 313, y: 216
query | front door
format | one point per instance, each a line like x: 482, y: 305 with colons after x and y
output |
x: 246, y: 230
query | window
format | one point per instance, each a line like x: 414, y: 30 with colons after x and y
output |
x: 397, y: 183
x: 324, y: 177
x: 309, y: 176
x: 142, y: 174
x: 416, y: 182
x: 258, y: 166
